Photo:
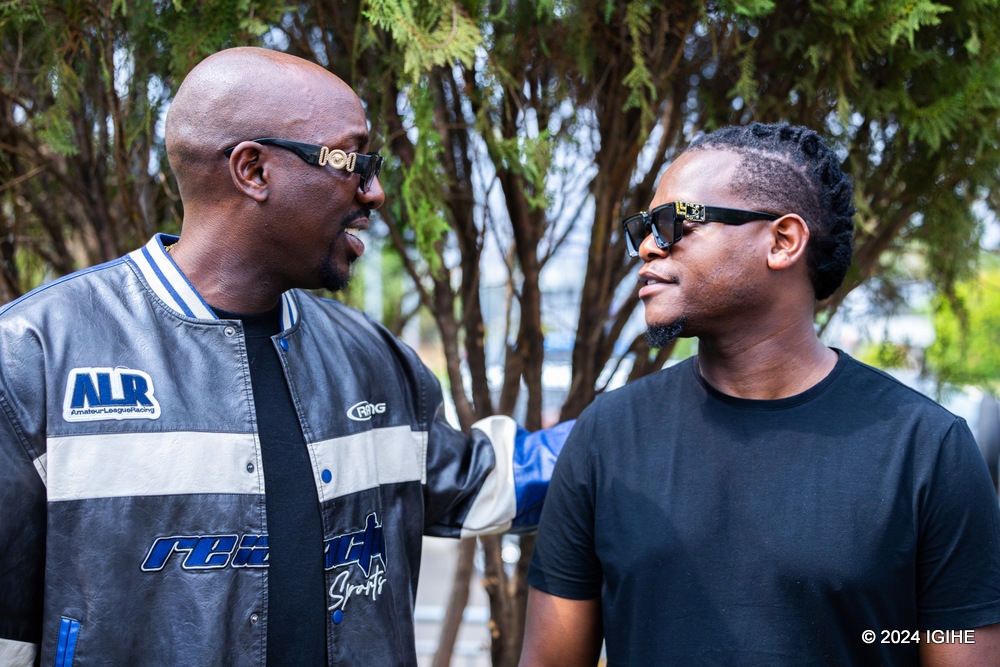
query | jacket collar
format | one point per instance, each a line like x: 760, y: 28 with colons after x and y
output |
x: 175, y: 290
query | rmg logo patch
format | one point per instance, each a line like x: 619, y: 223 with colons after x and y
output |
x: 364, y: 411
x: 212, y: 552
x: 94, y: 394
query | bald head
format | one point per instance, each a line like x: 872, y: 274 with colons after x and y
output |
x: 239, y: 94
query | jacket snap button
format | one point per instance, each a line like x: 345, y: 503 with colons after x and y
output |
x: 254, y: 618
x: 249, y: 467
x: 230, y: 332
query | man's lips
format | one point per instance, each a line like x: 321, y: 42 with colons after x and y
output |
x: 651, y: 282
x: 352, y: 226
x: 357, y: 221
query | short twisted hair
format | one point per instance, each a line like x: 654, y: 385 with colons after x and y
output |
x: 788, y: 169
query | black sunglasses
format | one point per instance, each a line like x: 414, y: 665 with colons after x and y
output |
x: 666, y: 223
x: 369, y: 165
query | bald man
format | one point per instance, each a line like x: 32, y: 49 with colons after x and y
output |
x: 202, y: 464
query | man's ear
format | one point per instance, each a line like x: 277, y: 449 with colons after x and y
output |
x: 248, y: 169
x: 789, y: 236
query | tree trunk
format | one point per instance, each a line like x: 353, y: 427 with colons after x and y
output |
x: 457, y: 601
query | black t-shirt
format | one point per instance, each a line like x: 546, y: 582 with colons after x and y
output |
x: 721, y: 531
x: 296, y: 595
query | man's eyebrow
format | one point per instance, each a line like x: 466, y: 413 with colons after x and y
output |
x: 359, y: 139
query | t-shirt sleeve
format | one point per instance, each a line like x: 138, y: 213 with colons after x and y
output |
x: 565, y: 562
x: 958, y: 560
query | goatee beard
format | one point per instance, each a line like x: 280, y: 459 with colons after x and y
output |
x: 330, y: 277
x: 662, y: 335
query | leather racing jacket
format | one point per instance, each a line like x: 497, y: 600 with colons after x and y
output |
x: 133, y: 528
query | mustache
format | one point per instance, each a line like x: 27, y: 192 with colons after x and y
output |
x: 354, y: 215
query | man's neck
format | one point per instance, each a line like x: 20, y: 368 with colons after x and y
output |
x: 778, y: 364
x: 225, y: 280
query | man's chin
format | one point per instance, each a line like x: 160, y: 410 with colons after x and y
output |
x: 333, y: 279
x: 662, y: 335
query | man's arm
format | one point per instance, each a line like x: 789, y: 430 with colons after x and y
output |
x: 959, y: 557
x: 492, y: 480
x: 561, y: 631
x: 985, y: 652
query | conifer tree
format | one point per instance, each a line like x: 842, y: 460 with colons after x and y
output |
x: 522, y: 125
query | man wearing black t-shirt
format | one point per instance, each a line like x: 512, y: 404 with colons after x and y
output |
x: 770, y: 501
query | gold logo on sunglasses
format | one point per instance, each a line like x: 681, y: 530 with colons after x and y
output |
x: 337, y: 159
x: 693, y: 212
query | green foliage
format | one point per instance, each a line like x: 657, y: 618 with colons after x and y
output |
x: 608, y: 9
x: 429, y: 34
x: 196, y: 29
x: 425, y: 36
x: 967, y: 326
x: 885, y: 354
x: 424, y: 181
x: 55, y: 130
x: 639, y: 81
x: 908, y: 90
x: 428, y: 40
x: 748, y: 8
x: 82, y: 87
x: 395, y: 287
x: 915, y: 15
x: 684, y: 348
x: 524, y: 155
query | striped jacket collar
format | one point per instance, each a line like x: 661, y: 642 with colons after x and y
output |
x: 175, y: 290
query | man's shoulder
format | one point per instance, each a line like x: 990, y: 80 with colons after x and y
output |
x: 674, y: 378
x: 877, y: 388
x: 79, y: 285
x: 354, y: 329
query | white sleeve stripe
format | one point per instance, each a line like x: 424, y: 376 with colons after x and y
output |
x: 420, y: 444
x: 365, y: 460
x: 40, y: 469
x: 114, y: 465
x: 17, y: 654
x: 119, y: 465
x: 496, y: 503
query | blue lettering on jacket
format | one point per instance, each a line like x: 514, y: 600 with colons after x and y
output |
x: 94, y: 394
x: 134, y: 388
x: 207, y: 552
x: 362, y: 547
x: 252, y: 552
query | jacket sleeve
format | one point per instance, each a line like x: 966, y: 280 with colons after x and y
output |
x: 22, y: 543
x: 490, y: 481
